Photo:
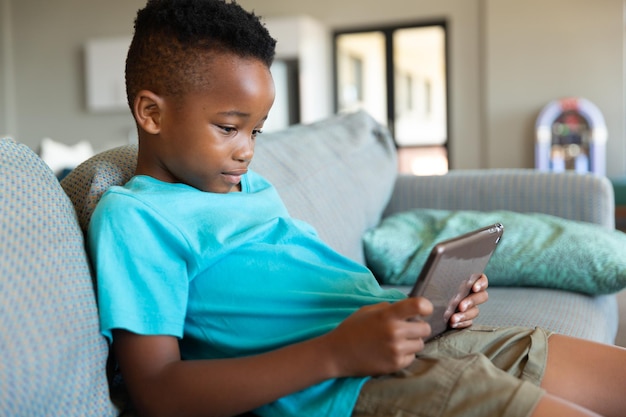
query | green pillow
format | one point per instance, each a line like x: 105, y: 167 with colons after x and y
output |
x: 537, y: 250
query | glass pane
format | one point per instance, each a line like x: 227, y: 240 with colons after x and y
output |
x: 278, y: 118
x: 420, y: 86
x: 361, y: 74
x: 423, y: 160
x: 286, y: 108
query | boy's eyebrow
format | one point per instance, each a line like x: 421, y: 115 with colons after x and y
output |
x: 238, y: 114
x: 234, y: 113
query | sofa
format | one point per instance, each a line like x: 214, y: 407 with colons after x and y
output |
x: 339, y: 174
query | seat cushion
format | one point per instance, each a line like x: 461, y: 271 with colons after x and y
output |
x: 572, y: 314
x: 53, y: 358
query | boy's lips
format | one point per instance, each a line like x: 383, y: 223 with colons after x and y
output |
x: 234, y: 177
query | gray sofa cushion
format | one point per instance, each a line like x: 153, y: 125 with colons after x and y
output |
x: 564, y: 312
x: 53, y: 358
x: 342, y: 190
x: 86, y: 184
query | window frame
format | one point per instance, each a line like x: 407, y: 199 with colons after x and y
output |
x: 388, y: 31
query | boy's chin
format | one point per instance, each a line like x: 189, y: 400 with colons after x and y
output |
x: 219, y: 189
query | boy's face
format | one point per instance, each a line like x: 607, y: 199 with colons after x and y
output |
x: 206, y: 138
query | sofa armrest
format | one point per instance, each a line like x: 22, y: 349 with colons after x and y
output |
x: 584, y: 197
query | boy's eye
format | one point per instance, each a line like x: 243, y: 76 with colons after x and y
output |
x: 227, y: 129
x: 256, y: 132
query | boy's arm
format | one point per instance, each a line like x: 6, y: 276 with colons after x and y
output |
x: 376, y: 339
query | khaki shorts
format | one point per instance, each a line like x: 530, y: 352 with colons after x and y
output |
x: 481, y: 371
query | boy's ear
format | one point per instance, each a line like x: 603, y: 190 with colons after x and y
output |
x: 147, y: 110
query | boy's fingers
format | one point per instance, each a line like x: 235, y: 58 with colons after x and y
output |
x: 473, y: 300
x: 411, y: 307
x: 481, y: 283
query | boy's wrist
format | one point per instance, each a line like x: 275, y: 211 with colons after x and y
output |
x: 326, y: 352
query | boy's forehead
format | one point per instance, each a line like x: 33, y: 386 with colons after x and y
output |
x: 227, y: 78
x: 194, y: 71
x: 219, y: 67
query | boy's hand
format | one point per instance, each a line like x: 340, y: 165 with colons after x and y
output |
x: 379, y: 339
x: 468, y: 307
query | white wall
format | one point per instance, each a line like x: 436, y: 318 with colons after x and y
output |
x: 507, y: 59
x: 537, y: 51
x: 48, y: 40
x: 5, y: 65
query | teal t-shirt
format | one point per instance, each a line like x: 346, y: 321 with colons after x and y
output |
x: 229, y: 274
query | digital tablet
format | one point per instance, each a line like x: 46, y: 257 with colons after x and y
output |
x: 450, y: 271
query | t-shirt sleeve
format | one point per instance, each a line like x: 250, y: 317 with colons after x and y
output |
x: 140, y: 267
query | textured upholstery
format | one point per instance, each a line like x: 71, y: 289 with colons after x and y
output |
x: 569, y: 195
x: 87, y: 182
x: 337, y: 174
x: 52, y: 357
x: 572, y: 314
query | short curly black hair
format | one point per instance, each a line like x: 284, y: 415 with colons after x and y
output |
x: 175, y: 39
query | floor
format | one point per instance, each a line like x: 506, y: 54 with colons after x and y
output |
x: 621, y: 332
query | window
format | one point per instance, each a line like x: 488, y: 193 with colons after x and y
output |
x: 399, y: 75
x: 286, y: 108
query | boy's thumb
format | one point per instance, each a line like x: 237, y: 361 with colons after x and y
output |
x: 412, y: 307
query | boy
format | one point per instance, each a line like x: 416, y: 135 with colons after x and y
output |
x: 218, y: 302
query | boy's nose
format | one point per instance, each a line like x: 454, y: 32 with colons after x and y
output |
x: 245, y: 151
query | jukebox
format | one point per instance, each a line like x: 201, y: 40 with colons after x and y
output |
x: 571, y: 135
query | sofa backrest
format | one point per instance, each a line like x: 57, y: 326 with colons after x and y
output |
x: 336, y: 174
x: 52, y: 356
